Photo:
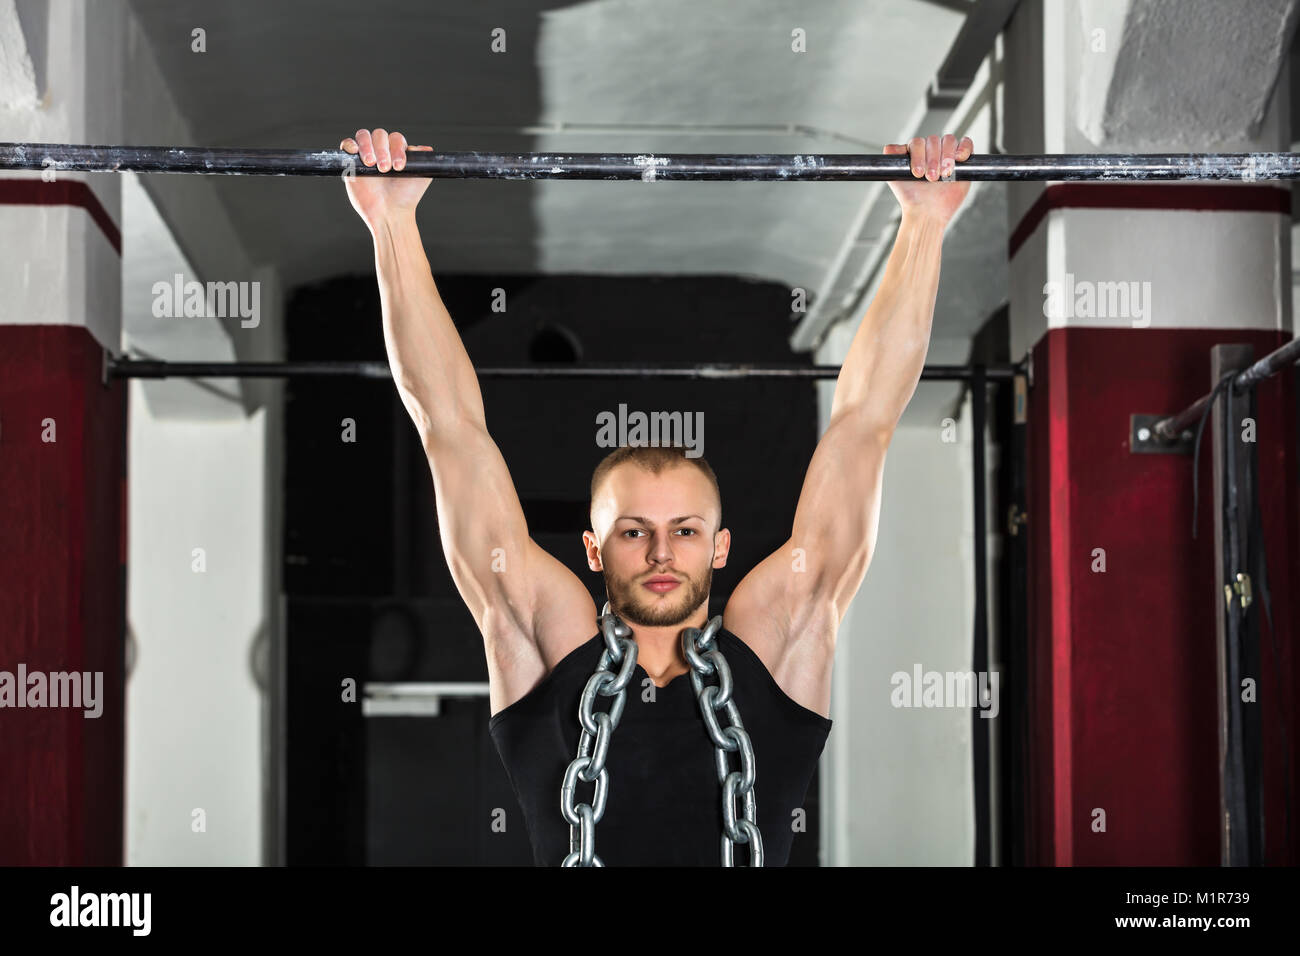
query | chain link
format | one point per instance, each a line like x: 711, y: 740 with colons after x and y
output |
x: 588, y: 766
x: 593, y: 746
x: 706, y: 660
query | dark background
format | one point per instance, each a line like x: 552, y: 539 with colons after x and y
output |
x: 367, y: 590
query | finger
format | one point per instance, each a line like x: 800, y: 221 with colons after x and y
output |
x: 893, y: 149
x: 947, y: 155
x: 383, y: 161
x: 422, y: 148
x: 932, y: 158
x: 397, y: 146
x: 349, y: 145
x: 367, y: 147
x: 916, y: 149
x: 964, y: 149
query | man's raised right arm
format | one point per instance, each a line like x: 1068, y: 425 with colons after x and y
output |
x: 530, y: 608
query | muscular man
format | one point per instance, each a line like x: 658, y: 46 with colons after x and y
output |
x: 656, y: 535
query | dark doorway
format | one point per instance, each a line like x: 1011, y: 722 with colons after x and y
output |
x: 367, y: 591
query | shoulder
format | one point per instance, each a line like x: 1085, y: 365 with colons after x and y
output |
x: 576, y: 665
x: 794, y: 643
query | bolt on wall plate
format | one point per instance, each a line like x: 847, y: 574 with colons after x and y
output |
x: 1142, y: 438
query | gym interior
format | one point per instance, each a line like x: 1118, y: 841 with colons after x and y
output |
x: 252, y: 562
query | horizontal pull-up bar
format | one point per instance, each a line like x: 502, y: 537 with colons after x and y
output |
x: 148, y: 368
x: 647, y: 167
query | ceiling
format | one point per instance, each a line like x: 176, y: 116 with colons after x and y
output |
x: 599, y: 75
x: 603, y: 75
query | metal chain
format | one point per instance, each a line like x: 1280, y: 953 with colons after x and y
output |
x: 597, y: 728
x: 705, y: 660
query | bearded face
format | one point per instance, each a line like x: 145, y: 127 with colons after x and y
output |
x: 649, y: 600
x: 659, y: 543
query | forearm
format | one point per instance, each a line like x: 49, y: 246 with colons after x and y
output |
x: 880, y: 372
x: 432, y: 371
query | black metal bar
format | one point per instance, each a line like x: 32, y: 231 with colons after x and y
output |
x: 1237, y: 651
x: 649, y: 167
x: 1168, y: 429
x: 1012, y: 647
x: 150, y: 368
x: 1270, y: 364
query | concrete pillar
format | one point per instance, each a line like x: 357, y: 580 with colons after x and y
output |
x: 200, y: 639
x: 203, y: 609
x: 197, y: 732
x: 204, y: 457
x: 1118, y: 291
x: 62, y: 572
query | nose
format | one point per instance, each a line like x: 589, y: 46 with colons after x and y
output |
x: 660, y: 550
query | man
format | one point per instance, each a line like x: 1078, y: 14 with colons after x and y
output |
x: 656, y: 535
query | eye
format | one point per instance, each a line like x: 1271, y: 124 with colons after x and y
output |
x: 631, y: 531
x: 686, y: 530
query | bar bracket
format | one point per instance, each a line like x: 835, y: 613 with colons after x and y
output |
x: 1143, y: 440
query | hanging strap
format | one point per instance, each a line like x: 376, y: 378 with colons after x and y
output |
x: 1243, y: 562
x: 1236, y: 593
x: 1196, y: 449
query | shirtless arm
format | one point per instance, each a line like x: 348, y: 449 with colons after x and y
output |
x: 530, y: 608
x: 790, y: 606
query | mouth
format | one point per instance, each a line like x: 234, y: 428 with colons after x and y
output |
x: 662, y: 584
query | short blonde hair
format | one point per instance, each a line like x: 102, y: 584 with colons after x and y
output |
x: 654, y: 460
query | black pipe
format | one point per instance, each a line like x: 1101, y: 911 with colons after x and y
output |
x: 1170, y: 428
x: 149, y: 368
x: 648, y: 167
x: 980, y: 727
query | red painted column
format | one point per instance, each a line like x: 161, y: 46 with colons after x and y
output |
x: 62, y: 594
x: 1118, y: 292
x: 1123, y: 693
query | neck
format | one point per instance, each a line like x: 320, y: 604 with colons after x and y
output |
x: 659, y: 649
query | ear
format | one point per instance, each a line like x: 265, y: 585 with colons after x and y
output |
x: 592, y: 547
x: 721, y: 547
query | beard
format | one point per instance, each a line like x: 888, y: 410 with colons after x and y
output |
x: 635, y: 605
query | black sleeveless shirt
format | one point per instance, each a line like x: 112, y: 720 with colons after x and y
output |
x: 664, y: 806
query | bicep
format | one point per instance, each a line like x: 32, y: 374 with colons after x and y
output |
x: 838, y: 515
x: 481, y: 523
x: 515, y: 590
x: 789, y: 607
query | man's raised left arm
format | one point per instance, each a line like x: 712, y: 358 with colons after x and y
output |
x: 839, y: 508
x: 835, y: 524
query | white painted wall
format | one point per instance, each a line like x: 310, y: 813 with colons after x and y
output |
x: 204, y: 473
x: 194, y: 733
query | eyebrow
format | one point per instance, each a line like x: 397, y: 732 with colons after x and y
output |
x: 641, y: 520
